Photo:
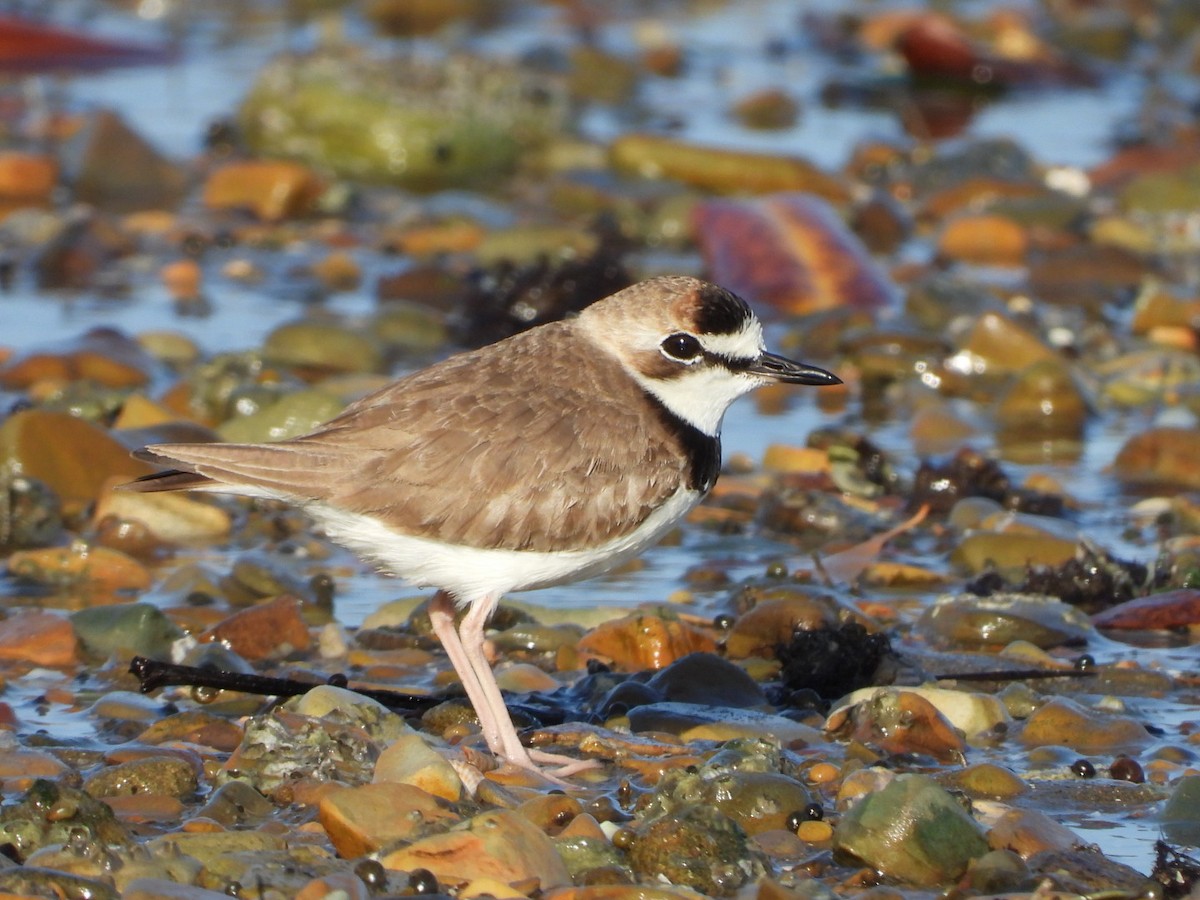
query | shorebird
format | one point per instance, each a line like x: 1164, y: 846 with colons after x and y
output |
x: 546, y: 458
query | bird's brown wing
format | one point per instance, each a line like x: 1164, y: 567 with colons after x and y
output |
x: 539, y: 444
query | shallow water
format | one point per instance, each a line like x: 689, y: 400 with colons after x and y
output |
x: 171, y: 105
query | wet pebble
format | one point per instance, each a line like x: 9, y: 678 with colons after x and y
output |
x: 410, y: 760
x: 1160, y: 456
x: 499, y: 845
x: 643, y: 641
x: 140, y: 628
x: 696, y: 847
x: 912, y: 831
x: 361, y: 820
x: 969, y: 621
x: 72, y: 457
x: 271, y: 630
x: 1064, y: 721
x: 37, y: 637
x: 165, y: 775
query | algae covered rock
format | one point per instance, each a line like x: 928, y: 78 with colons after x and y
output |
x: 912, y: 831
x: 401, y: 121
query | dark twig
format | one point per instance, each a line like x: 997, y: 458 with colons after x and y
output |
x: 153, y: 674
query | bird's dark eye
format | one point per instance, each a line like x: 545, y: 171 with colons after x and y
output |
x: 681, y: 346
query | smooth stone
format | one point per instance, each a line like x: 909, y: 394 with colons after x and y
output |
x: 1001, y: 347
x: 74, y: 458
x: 83, y: 566
x: 38, y: 638
x: 116, y: 169
x: 986, y: 781
x: 974, y: 714
x: 1181, y: 812
x: 716, y: 723
x: 984, y: 239
x: 344, y: 705
x: 898, y: 722
x: 19, y: 767
x: 1042, y: 401
x: 101, y: 356
x: 127, y: 706
x: 1028, y: 831
x: 272, y: 630
x: 524, y: 678
x: 967, y: 621
x: 911, y: 831
x: 410, y: 760
x: 139, y: 628
x: 218, y: 851
x: 644, y: 641
x: 499, y: 845
x: 1160, y: 456
x: 532, y: 637
x: 236, y: 803
x: 774, y: 618
x: 335, y: 886
x: 174, y: 518
x: 24, y: 882
x: 1064, y: 721
x: 707, y: 679
x: 998, y: 872
x: 291, y: 415
x: 26, y: 179
x: 271, y: 189
x: 323, y: 346
x: 1011, y: 551
x: 792, y: 251
x: 167, y: 775
x: 364, y: 819
x: 722, y: 171
x: 454, y: 122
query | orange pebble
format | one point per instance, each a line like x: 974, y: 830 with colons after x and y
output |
x: 815, y: 832
x: 823, y: 773
x: 182, y: 279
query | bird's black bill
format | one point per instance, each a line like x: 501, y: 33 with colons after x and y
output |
x: 780, y: 368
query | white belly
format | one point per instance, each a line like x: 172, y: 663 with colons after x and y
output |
x: 470, y: 573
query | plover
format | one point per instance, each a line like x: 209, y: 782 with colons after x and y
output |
x: 546, y: 458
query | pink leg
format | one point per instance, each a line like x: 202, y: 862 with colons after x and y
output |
x: 464, y: 647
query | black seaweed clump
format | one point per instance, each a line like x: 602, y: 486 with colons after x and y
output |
x: 509, y: 298
x: 1092, y: 581
x: 832, y: 662
x: 971, y: 474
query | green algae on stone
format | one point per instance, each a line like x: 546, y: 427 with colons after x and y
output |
x: 742, y: 780
x: 697, y: 847
x: 290, y: 416
x: 170, y: 776
x: 965, y: 620
x: 400, y: 120
x: 324, y: 346
x: 140, y: 628
x: 51, y: 813
x: 30, y: 512
x: 912, y: 831
x: 1181, y: 813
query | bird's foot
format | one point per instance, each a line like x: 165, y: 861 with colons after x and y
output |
x: 564, y: 766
